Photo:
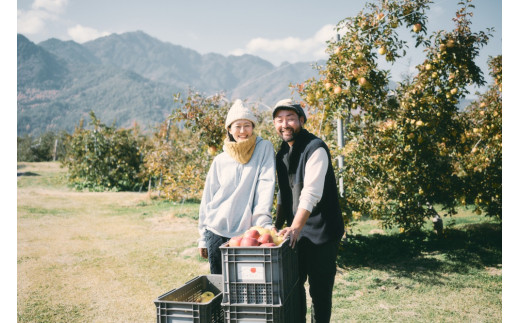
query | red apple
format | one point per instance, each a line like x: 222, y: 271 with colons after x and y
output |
x: 252, y: 233
x: 265, y: 238
x: 249, y: 242
x: 235, y: 241
x: 268, y: 244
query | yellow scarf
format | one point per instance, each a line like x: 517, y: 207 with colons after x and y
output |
x: 241, y: 151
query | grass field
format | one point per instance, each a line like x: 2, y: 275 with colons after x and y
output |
x: 105, y: 257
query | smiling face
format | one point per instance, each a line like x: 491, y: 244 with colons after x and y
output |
x: 241, y: 130
x: 287, y: 125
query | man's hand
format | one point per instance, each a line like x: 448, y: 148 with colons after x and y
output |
x: 203, y: 252
x: 291, y: 233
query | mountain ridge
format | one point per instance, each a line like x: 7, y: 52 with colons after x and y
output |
x: 131, y: 77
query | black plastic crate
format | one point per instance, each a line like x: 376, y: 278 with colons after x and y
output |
x: 286, y: 313
x: 180, y: 305
x: 258, y: 275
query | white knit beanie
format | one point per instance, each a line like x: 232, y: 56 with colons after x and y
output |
x: 239, y: 111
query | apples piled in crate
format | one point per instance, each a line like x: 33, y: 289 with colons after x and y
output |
x: 256, y: 236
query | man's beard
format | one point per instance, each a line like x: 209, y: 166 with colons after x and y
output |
x: 291, y: 136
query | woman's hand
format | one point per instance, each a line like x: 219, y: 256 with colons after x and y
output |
x: 203, y: 253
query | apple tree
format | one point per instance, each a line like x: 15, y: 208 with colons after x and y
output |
x: 480, y: 155
x: 104, y: 157
x: 400, y: 144
x: 183, y: 147
x: 173, y: 162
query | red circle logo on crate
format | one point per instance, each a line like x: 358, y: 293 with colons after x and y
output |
x: 250, y: 272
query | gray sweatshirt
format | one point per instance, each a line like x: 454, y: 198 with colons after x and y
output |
x: 238, y: 196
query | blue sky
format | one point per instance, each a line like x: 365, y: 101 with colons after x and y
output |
x: 277, y: 31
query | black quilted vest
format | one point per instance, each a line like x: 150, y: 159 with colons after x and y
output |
x: 325, y: 222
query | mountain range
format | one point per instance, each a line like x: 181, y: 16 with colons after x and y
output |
x: 132, y: 77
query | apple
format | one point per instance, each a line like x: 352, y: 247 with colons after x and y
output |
x: 417, y: 28
x: 382, y: 50
x: 206, y: 297
x: 268, y: 244
x: 265, y: 238
x: 363, y: 82
x: 442, y: 47
x: 252, y: 233
x: 394, y: 23
x: 260, y: 229
x: 450, y: 43
x: 263, y: 230
x: 235, y: 241
x: 249, y: 242
x: 212, y: 150
x: 435, y: 75
x: 328, y: 85
x: 363, y: 24
x: 428, y: 67
x: 454, y: 91
x: 277, y: 239
x: 337, y: 89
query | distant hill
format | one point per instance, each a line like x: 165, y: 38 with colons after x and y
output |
x: 131, y: 77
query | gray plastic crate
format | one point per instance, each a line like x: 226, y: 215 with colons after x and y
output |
x: 289, y: 312
x: 258, y: 275
x: 180, y: 305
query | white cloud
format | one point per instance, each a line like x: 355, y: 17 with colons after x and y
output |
x: 83, y: 34
x: 290, y: 49
x: 33, y: 21
x: 53, y: 6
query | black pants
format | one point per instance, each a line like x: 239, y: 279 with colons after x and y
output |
x: 318, y: 264
x: 213, y: 242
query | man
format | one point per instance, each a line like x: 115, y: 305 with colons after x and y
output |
x: 308, y: 202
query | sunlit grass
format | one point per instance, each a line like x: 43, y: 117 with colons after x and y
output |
x: 105, y: 257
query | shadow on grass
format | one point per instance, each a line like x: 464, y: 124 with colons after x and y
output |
x: 26, y: 174
x: 460, y: 250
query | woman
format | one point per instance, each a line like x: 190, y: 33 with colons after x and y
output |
x: 239, y: 188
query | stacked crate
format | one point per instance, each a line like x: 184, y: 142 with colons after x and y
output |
x: 183, y: 304
x: 259, y: 283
